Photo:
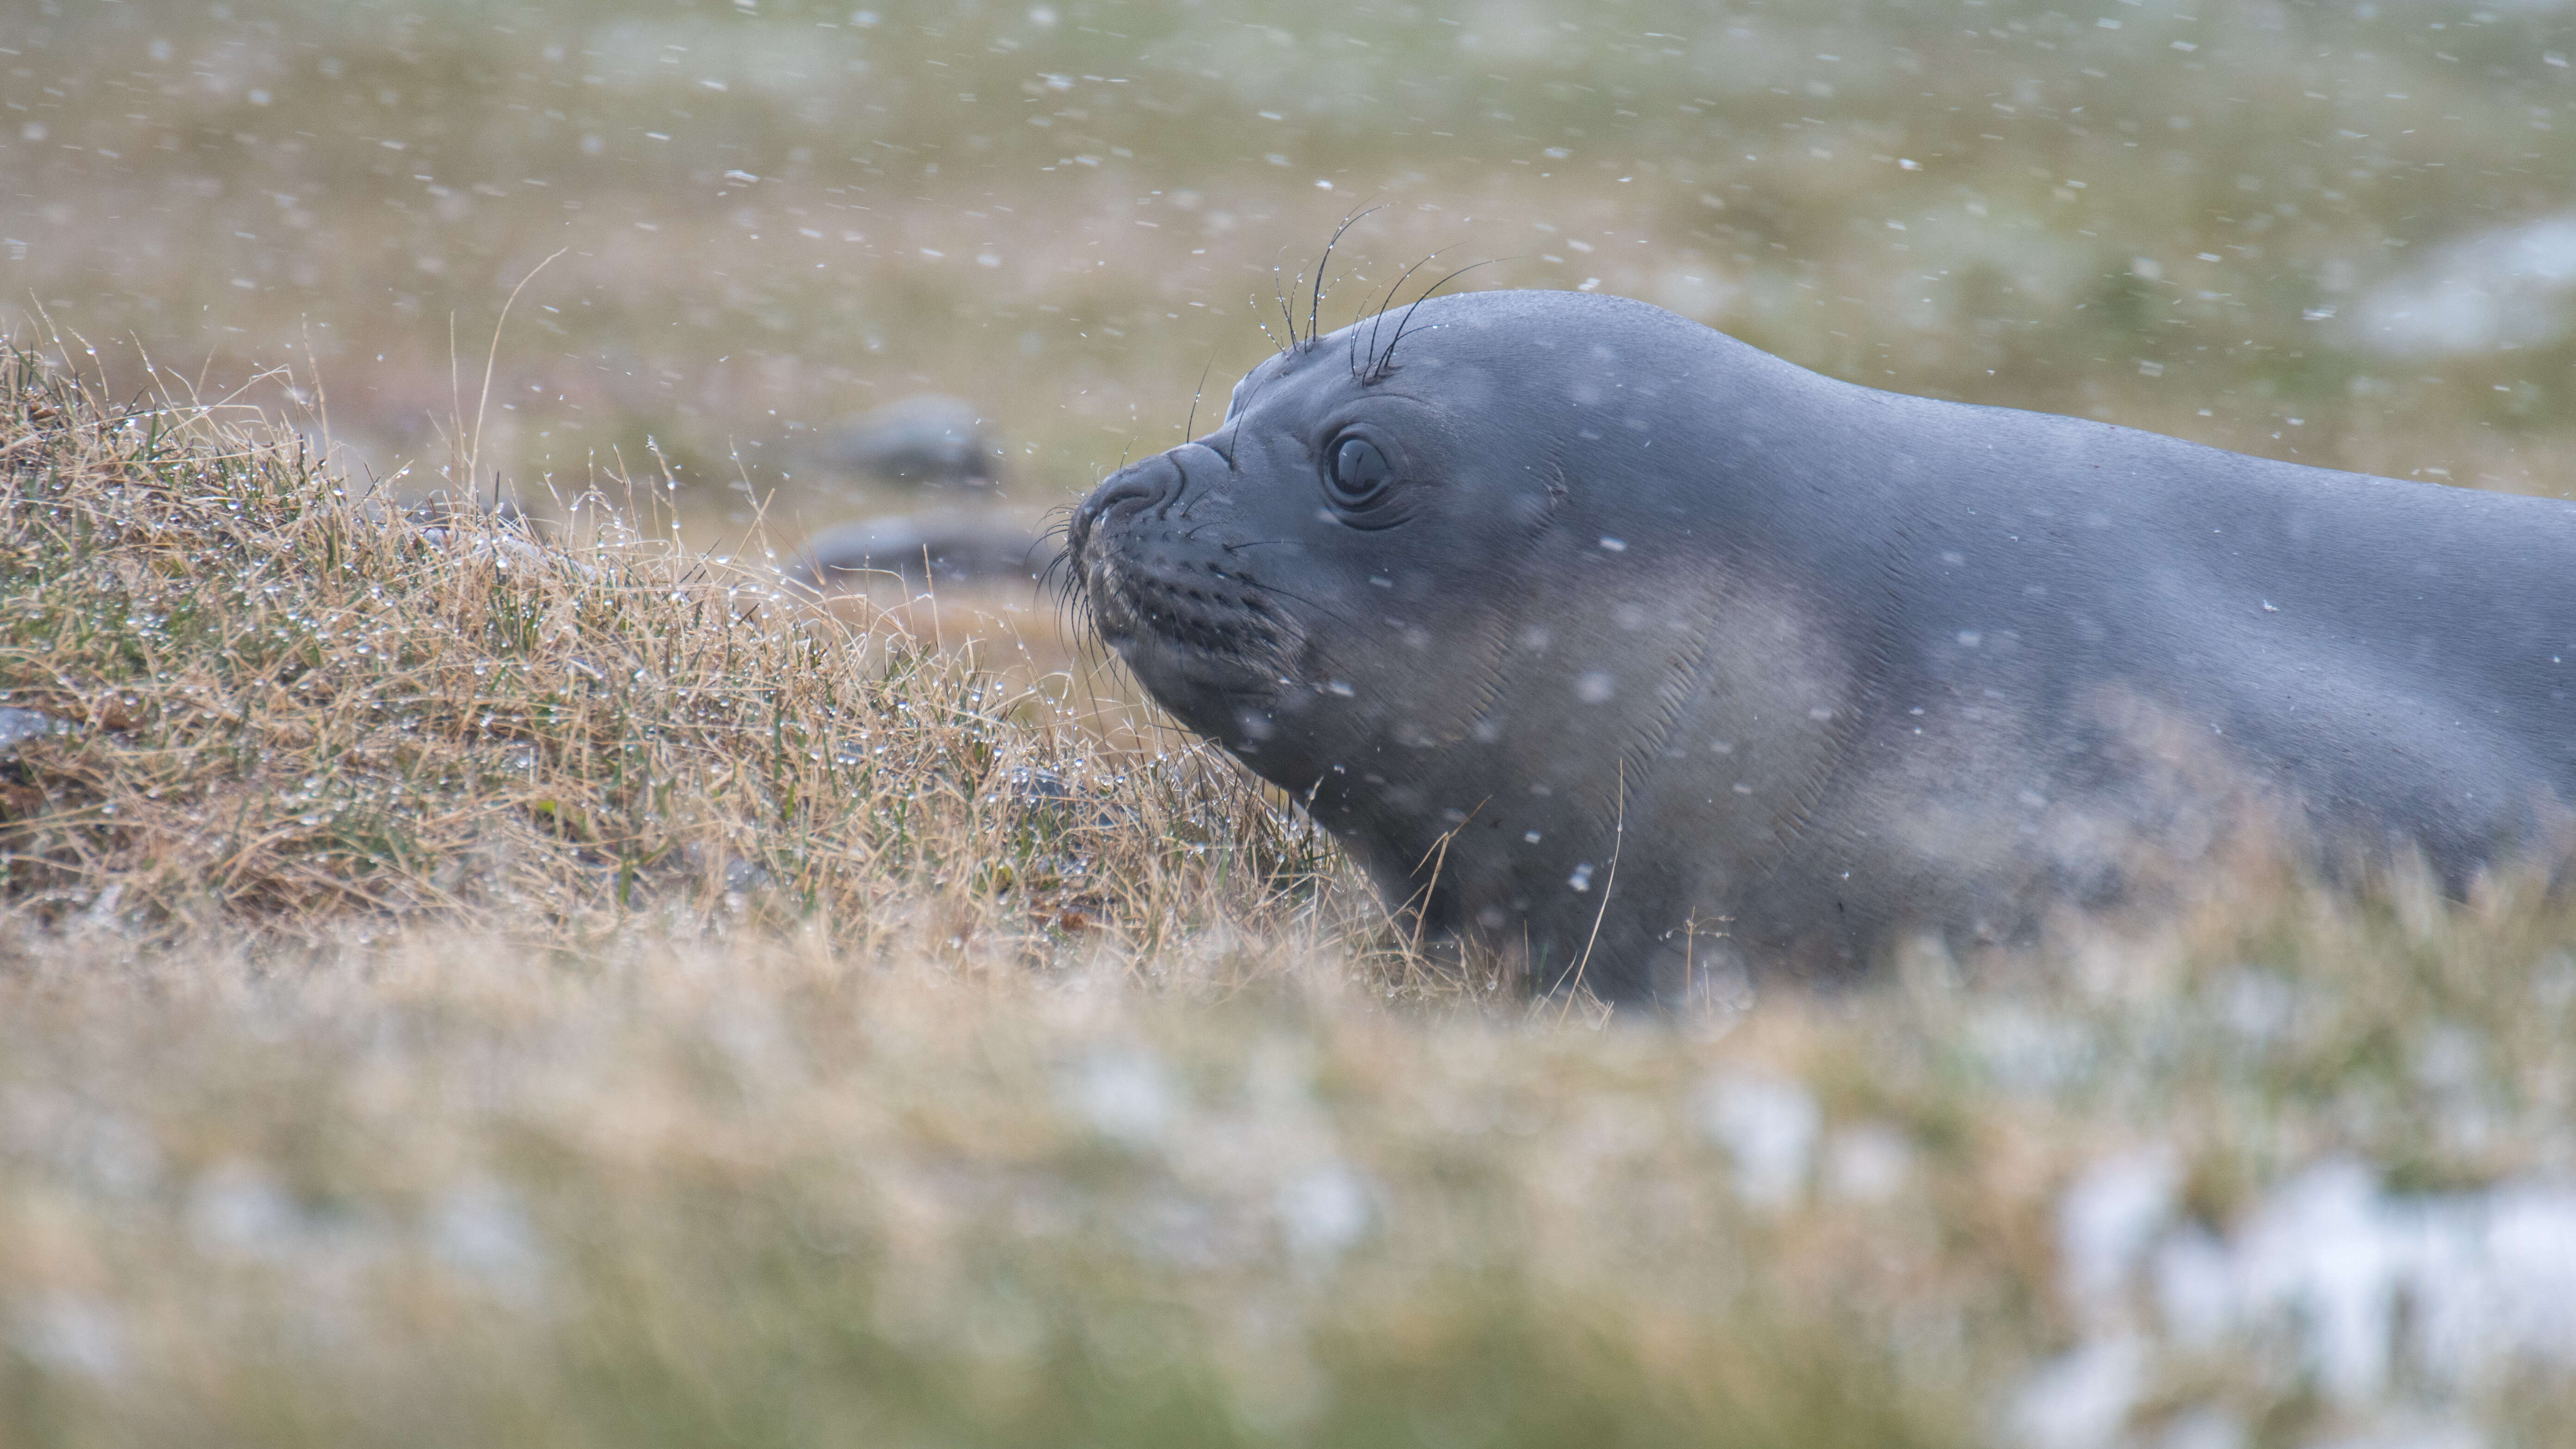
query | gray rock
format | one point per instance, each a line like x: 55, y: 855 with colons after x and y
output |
x: 497, y: 531
x: 438, y: 511
x: 17, y: 726
x: 927, y: 441
x: 944, y: 546
x: 1047, y: 799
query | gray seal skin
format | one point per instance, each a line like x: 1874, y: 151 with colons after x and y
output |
x: 1628, y: 650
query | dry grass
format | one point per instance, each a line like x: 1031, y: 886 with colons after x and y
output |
x: 287, y: 709
x: 465, y: 985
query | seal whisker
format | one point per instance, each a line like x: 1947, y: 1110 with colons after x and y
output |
x: 1058, y: 571
x: 1286, y: 316
x: 1257, y: 386
x: 1379, y: 317
x: 1359, y: 314
x: 1315, y: 302
x: 1318, y: 605
x: 1196, y: 393
x: 1386, y: 362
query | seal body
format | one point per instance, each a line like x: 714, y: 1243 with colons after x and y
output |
x: 1627, y: 650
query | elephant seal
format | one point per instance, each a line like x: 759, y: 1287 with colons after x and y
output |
x: 1626, y: 649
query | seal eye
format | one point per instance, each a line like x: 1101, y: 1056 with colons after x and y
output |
x: 1359, y: 474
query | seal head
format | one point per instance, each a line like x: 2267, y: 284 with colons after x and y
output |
x: 1440, y: 588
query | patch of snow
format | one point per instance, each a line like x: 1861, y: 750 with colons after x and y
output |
x: 2413, y: 1433
x: 1768, y: 1125
x: 1868, y: 1162
x: 2203, y: 1428
x: 236, y: 1208
x: 479, y: 1229
x: 2510, y: 286
x: 2321, y: 1252
x: 2106, y: 1222
x: 2030, y: 1051
x: 2195, y: 1286
x: 1123, y: 1092
x: 1324, y: 1210
x: 2362, y: 1281
x: 67, y: 1333
x: 2080, y: 1399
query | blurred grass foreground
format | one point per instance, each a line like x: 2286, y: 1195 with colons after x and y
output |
x: 484, y: 977
x: 465, y: 981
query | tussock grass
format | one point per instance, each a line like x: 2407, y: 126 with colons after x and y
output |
x: 461, y: 984
x: 287, y: 708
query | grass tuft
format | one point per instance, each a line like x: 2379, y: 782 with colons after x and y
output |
x: 288, y: 708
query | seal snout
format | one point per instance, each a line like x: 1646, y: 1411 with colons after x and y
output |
x: 1138, y: 488
x: 1102, y: 530
x: 1165, y: 586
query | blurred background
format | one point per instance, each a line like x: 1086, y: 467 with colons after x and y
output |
x: 2344, y: 233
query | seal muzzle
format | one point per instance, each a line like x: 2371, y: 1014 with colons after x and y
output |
x: 1174, y: 592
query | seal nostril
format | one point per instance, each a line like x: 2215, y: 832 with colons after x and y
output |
x: 1139, y: 489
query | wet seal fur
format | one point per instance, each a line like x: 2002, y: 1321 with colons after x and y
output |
x: 1630, y: 651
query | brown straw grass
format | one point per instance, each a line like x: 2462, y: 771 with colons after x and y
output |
x: 285, y: 707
